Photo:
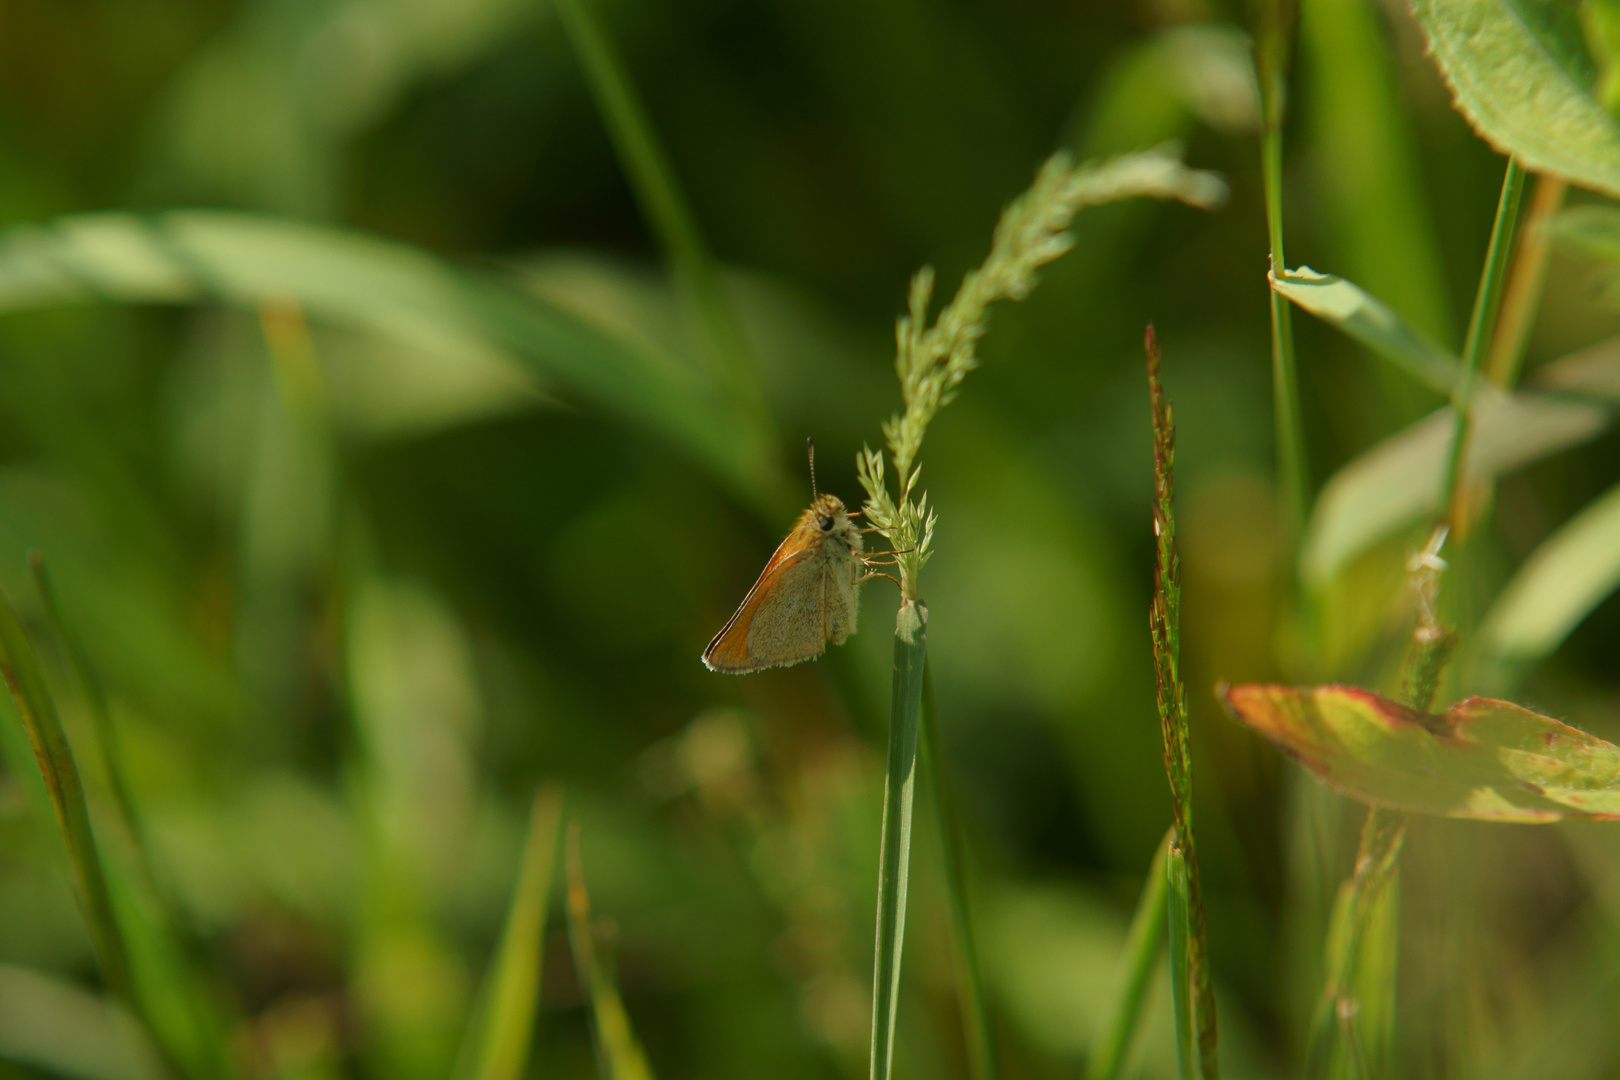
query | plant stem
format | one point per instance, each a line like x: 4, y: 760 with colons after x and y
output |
x: 659, y: 195
x: 1478, y: 342
x: 969, y: 992
x: 619, y: 1055
x: 1142, y: 947
x: 1181, y: 978
x: 1290, y: 430
x: 910, y: 656
x: 1526, y: 281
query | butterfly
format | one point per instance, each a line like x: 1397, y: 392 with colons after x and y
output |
x: 807, y: 595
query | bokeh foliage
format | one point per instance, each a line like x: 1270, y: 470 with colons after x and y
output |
x: 381, y: 474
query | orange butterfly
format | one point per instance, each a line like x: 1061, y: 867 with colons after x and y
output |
x: 807, y: 595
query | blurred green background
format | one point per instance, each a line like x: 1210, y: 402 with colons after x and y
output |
x: 383, y: 505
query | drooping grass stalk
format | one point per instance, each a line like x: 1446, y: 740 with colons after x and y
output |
x: 1478, y: 341
x: 931, y: 360
x: 969, y: 992
x: 1521, y: 297
x: 1292, y: 464
x: 1194, y: 998
x: 659, y: 195
x: 1143, y: 945
x: 498, y: 1040
x: 619, y: 1055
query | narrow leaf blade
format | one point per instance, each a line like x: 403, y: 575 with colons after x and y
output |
x: 1369, y: 321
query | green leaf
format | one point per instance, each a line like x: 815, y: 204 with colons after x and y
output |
x: 1398, y: 482
x: 1592, y: 231
x: 1366, y: 319
x: 1483, y: 759
x: 497, y: 1046
x: 1137, y: 967
x: 1519, y: 71
x: 1571, y: 573
x: 387, y: 289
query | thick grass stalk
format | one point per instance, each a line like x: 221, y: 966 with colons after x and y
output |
x: 1271, y: 69
x: 502, y: 1031
x: 1194, y: 994
x: 1143, y: 945
x: 965, y: 956
x: 659, y: 195
x: 894, y: 858
x: 1478, y: 343
x: 619, y: 1055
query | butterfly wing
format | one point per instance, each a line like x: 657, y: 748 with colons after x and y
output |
x: 781, y: 619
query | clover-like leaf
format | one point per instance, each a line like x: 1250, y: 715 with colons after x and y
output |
x: 1485, y: 759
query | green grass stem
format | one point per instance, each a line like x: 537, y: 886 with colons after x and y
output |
x: 1478, y: 341
x: 1143, y: 944
x: 969, y: 985
x: 1181, y: 977
x: 1292, y: 464
x: 894, y: 857
x: 498, y: 1041
x: 619, y: 1055
x: 659, y: 195
x: 1527, y: 280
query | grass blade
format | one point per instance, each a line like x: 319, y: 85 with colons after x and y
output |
x: 894, y: 859
x: 969, y: 984
x: 1478, y: 342
x: 1141, y: 957
x: 1562, y: 581
x: 618, y: 1055
x: 497, y: 1046
x: 25, y: 679
x: 1521, y: 298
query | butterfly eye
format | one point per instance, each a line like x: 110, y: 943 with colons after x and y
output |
x: 826, y: 523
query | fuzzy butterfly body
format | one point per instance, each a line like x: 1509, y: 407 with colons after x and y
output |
x: 807, y: 595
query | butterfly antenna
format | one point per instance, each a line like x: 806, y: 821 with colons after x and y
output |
x: 810, y: 448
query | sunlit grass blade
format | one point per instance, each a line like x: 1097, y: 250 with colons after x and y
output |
x: 498, y: 1040
x: 969, y: 984
x: 894, y: 860
x: 618, y: 1055
x: 1143, y: 946
x: 1368, y: 320
x: 1562, y: 581
x: 666, y: 209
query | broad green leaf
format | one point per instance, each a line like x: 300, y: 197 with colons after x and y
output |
x: 1366, y: 319
x: 386, y: 289
x: 1484, y: 759
x: 1518, y: 70
x: 1397, y: 482
x: 1571, y: 573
